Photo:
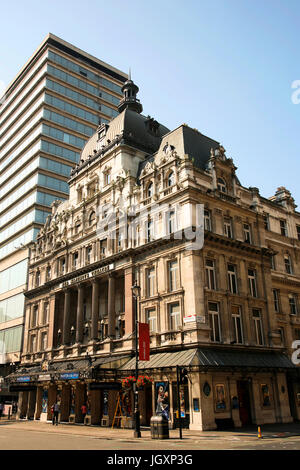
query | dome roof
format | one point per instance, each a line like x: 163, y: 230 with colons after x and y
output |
x: 128, y: 127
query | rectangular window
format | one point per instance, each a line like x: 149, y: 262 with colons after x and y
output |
x: 32, y: 346
x: 283, y: 227
x: 237, y: 325
x: 11, y: 339
x: 293, y: 304
x: 228, y: 228
x: 214, y: 322
x: 232, y: 280
x: 14, y: 276
x: 75, y: 260
x: 298, y: 231
x: 247, y: 233
x: 150, y: 281
x: 276, y: 300
x: 174, y: 316
x: 207, y: 220
x: 282, y: 336
x: 210, y: 274
x: 171, y: 222
x: 288, y: 264
x: 273, y: 263
x: 44, y: 341
x: 46, y: 313
x: 63, y: 266
x: 11, y: 308
x: 252, y: 282
x: 151, y: 319
x: 34, y: 316
x: 149, y: 231
x: 258, y: 330
x: 173, y: 275
x: 88, y: 254
x: 267, y: 221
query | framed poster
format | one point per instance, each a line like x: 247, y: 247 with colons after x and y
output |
x: 162, y: 399
x: 265, y: 395
x: 220, y: 397
x: 196, y: 404
x: 45, y: 401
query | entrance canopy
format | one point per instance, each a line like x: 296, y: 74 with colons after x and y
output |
x: 214, y: 359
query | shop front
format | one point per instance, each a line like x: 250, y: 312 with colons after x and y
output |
x: 221, y: 389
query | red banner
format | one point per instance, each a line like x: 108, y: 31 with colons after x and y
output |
x: 144, y: 342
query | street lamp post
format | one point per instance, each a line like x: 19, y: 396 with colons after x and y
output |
x: 137, y: 430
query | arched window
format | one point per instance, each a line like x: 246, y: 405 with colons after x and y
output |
x: 222, y: 185
x: 77, y: 226
x: 92, y: 218
x: 171, y: 178
x: 150, y: 190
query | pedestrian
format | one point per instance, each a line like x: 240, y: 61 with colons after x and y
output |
x: 1, y: 409
x: 55, y: 409
x: 84, y: 411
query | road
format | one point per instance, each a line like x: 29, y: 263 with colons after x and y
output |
x: 29, y: 435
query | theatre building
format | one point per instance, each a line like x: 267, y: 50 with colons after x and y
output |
x: 218, y: 270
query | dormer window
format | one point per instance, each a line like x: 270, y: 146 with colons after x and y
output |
x: 150, y: 190
x: 92, y: 218
x: 171, y: 178
x: 222, y: 185
x: 77, y: 226
x: 107, y: 178
x: 102, y: 130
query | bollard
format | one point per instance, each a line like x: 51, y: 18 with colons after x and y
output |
x: 259, y: 433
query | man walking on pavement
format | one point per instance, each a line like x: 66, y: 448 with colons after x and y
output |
x: 56, y: 410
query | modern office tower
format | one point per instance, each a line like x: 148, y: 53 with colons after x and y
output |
x: 48, y: 112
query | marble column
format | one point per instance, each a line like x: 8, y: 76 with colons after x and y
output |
x: 66, y: 324
x: 79, y: 320
x: 111, y: 307
x: 95, y: 308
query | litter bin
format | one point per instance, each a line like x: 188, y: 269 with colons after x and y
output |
x: 159, y: 427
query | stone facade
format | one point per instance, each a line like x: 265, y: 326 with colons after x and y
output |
x: 218, y: 269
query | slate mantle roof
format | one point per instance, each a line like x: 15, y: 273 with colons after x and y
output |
x: 213, y: 358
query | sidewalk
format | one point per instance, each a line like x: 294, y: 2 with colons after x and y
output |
x: 269, y: 431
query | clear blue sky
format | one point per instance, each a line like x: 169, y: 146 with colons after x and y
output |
x: 225, y: 67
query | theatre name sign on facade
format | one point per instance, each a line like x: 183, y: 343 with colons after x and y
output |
x: 86, y: 276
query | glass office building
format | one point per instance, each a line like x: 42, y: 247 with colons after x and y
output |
x: 47, y: 113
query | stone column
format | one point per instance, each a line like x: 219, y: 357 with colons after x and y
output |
x: 129, y: 307
x: 79, y: 320
x: 31, y: 404
x: 22, y: 405
x: 79, y: 401
x: 51, y: 400
x: 95, y: 396
x: 51, y: 321
x: 204, y: 419
x: 66, y: 323
x: 95, y: 309
x: 111, y: 307
x: 39, y: 399
x: 65, y: 403
x: 259, y: 417
x: 232, y: 385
